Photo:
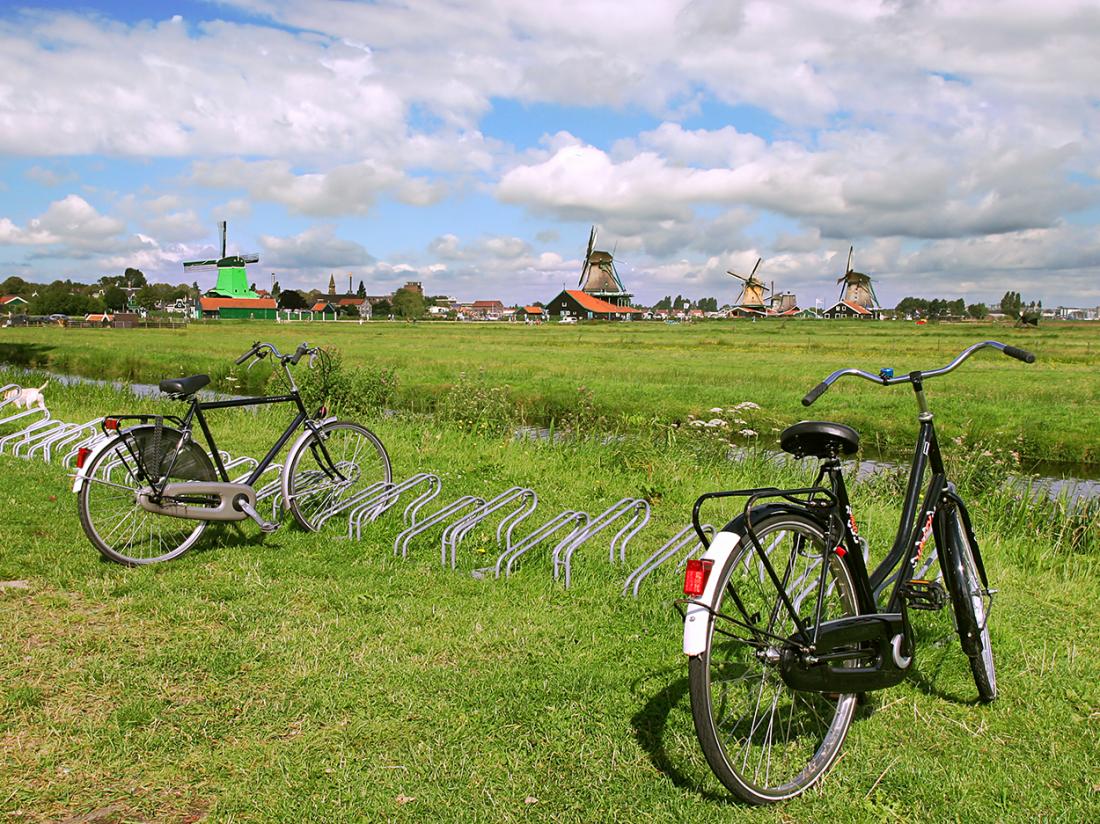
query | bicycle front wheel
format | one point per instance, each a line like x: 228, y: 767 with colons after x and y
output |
x: 765, y: 741
x: 330, y: 469
x: 108, y: 505
x: 971, y: 612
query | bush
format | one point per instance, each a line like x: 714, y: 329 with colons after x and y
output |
x: 349, y: 393
x: 474, y: 405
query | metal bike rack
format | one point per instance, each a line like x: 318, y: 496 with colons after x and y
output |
x: 45, y: 420
x: 440, y: 516
x: 508, y: 558
x: 379, y: 504
x: 524, y: 502
x: 638, y: 511
x: 684, y: 539
x: 33, y: 435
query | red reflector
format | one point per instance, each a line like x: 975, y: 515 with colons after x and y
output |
x: 324, y: 411
x: 841, y: 551
x: 695, y: 576
x: 81, y: 456
x: 110, y: 423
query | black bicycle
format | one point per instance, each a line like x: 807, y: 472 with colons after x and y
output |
x: 783, y: 625
x: 147, y: 490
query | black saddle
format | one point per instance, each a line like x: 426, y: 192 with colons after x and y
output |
x: 184, y: 387
x: 822, y: 439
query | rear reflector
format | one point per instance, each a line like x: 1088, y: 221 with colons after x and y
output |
x: 81, y: 456
x: 695, y: 576
x: 110, y: 423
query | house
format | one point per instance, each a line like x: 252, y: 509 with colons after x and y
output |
x: 13, y: 303
x: 530, y: 314
x: 325, y: 307
x: 850, y: 309
x: 576, y: 303
x: 238, y: 308
x: 486, y: 310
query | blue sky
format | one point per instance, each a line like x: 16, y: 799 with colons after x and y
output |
x: 472, y: 146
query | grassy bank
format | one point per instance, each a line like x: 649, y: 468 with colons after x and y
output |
x: 299, y: 677
x: 639, y: 376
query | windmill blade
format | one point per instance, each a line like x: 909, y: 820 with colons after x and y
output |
x: 851, y: 250
x: 201, y: 264
x: 739, y: 277
x: 251, y: 257
x: 223, y: 226
x: 591, y: 245
x: 757, y: 266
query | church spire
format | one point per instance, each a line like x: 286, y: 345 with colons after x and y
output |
x: 331, y: 286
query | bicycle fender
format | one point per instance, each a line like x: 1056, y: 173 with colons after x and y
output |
x: 697, y: 616
x: 299, y: 442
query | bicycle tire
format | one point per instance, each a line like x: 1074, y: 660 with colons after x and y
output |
x: 109, y: 496
x: 971, y: 615
x: 729, y: 667
x: 310, y: 491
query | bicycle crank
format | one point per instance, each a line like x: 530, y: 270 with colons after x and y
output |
x: 200, y: 501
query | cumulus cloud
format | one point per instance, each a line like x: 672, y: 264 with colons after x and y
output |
x: 317, y: 247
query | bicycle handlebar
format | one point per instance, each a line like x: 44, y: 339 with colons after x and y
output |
x: 258, y: 350
x: 1011, y: 351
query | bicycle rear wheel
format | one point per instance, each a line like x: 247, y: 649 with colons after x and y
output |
x: 765, y: 741
x: 107, y: 503
x: 315, y: 486
x: 971, y: 610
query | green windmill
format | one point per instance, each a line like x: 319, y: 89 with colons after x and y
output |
x: 232, y: 275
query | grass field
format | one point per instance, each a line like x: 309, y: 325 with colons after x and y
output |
x: 307, y: 678
x: 639, y: 376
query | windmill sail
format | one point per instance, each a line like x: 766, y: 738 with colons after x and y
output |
x: 599, y: 276
x: 753, y: 290
x: 232, y: 275
x: 857, y: 288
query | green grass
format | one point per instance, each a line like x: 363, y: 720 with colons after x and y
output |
x: 299, y: 677
x: 640, y: 376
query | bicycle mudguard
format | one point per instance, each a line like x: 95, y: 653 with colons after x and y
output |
x: 97, y: 447
x: 970, y: 535
x: 699, y: 614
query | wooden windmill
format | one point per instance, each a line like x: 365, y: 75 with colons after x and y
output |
x: 232, y: 275
x: 753, y: 290
x: 599, y: 277
x: 857, y: 288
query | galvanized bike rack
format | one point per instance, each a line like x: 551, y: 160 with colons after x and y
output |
x: 524, y: 502
x: 440, y: 516
x: 638, y: 511
x: 508, y: 558
x: 373, y: 507
x: 686, y: 538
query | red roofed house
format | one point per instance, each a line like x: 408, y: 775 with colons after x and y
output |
x: 13, y: 303
x: 486, y: 310
x: 575, y: 303
x: 532, y: 314
x: 246, y: 308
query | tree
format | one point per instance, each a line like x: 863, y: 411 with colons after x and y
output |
x: 978, y: 311
x: 1011, y: 304
x: 708, y: 304
x: 362, y: 290
x: 60, y: 298
x: 381, y: 309
x: 292, y: 299
x: 148, y: 297
x: 664, y: 303
x: 408, y: 303
x: 134, y: 277
x: 15, y: 286
x: 275, y: 290
x: 114, y: 299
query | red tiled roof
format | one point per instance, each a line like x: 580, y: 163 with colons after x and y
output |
x: 596, y: 305
x: 322, y: 306
x: 352, y: 301
x: 212, y: 304
x: 533, y: 310
x: 10, y: 298
x: 486, y: 304
x: 855, y: 307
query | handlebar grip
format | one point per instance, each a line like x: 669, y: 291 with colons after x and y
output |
x: 815, y: 393
x: 301, y: 350
x: 248, y: 354
x: 1019, y: 354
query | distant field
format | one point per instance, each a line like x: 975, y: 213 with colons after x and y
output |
x: 645, y: 374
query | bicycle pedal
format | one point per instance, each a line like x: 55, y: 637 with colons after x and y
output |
x: 920, y: 594
x: 265, y: 526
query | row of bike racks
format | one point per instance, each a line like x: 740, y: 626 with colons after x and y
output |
x: 37, y: 434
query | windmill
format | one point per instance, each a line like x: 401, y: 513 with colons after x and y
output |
x: 857, y: 287
x: 599, y: 277
x: 751, y: 299
x: 232, y: 275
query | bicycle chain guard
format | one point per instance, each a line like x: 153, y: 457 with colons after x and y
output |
x: 859, y: 653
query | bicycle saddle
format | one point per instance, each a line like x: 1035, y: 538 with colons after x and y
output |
x: 184, y: 387
x: 822, y: 439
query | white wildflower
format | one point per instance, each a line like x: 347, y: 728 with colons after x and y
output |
x: 697, y: 423
x: 716, y: 422
x: 716, y: 410
x: 748, y: 433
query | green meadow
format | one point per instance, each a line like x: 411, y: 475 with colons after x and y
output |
x: 297, y: 677
x: 642, y: 375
